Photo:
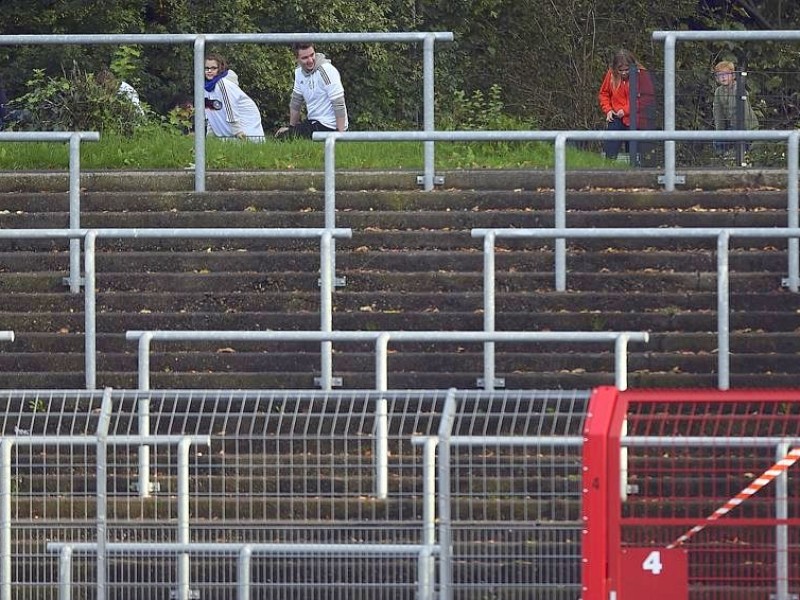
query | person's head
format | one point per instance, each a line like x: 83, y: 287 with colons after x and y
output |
x: 621, y: 64
x: 215, y: 65
x: 305, y: 54
x: 724, y: 72
x: 106, y: 79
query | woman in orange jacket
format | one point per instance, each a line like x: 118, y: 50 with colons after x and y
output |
x: 614, y: 98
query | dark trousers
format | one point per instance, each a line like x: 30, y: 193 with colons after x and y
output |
x: 611, y: 147
x: 304, y: 129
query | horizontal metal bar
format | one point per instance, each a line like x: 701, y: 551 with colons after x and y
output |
x: 706, y: 441
x: 231, y: 548
x: 115, y: 440
x: 48, y: 136
x: 395, y: 336
x: 593, y: 135
x: 230, y: 38
x: 643, y: 232
x: 187, y: 232
x: 728, y: 35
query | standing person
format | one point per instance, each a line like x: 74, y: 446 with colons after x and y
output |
x: 726, y: 100
x: 318, y: 85
x: 615, y: 101
x: 229, y: 111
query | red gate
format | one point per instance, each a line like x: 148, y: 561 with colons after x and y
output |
x: 701, y: 500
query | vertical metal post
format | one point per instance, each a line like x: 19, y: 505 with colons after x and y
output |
x: 425, y: 578
x: 330, y: 194
x: 427, y: 99
x: 143, y: 409
x: 489, y: 309
x: 621, y: 362
x: 669, y: 112
x: 74, y: 212
x: 326, y: 309
x: 243, y: 576
x: 723, y: 308
x: 65, y: 573
x: 144, y: 360
x: 792, y: 158
x: 90, y: 317
x: 445, y: 517
x: 741, y: 98
x: 561, y: 210
x: 782, y: 531
x: 102, y: 494
x: 633, y: 101
x: 5, y: 518
x: 426, y: 562
x: 381, y: 418
x: 199, y: 115
x: 183, y: 517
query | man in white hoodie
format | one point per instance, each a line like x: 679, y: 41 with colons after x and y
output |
x: 318, y: 86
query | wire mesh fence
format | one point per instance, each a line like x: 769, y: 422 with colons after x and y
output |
x: 289, y: 481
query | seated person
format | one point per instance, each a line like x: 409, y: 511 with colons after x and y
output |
x: 230, y: 113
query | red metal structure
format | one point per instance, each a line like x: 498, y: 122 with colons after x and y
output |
x: 699, y: 499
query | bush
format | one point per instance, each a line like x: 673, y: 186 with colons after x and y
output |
x: 76, y: 101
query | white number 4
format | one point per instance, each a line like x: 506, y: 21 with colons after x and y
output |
x: 653, y: 563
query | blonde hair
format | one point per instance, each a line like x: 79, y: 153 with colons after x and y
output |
x: 724, y: 65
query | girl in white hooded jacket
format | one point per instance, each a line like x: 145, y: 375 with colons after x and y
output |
x: 229, y: 111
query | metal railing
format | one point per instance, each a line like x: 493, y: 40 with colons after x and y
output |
x: 74, y: 138
x: 560, y: 138
x: 101, y: 440
x: 199, y: 41
x: 426, y: 579
x: 381, y: 339
x: 90, y: 237
x: 671, y: 39
x: 722, y: 235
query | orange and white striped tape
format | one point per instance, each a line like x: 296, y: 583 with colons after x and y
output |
x: 779, y: 467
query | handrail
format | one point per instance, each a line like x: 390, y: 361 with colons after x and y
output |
x: 101, y: 440
x: 722, y: 234
x: 245, y: 552
x: 199, y: 41
x: 381, y: 340
x: 74, y: 138
x: 90, y: 236
x: 792, y: 137
x: 670, y: 39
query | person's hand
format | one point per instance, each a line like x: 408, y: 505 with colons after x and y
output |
x: 241, y: 135
x: 609, y: 116
x: 620, y: 113
x: 281, y: 131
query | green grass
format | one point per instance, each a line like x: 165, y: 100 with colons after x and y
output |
x: 159, y: 149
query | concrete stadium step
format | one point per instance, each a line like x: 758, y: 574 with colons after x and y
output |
x: 411, y: 264
x: 411, y: 302
x: 408, y: 200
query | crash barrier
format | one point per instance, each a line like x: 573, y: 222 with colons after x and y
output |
x: 74, y: 138
x: 282, y: 503
x: 670, y: 39
x: 705, y: 504
x: 91, y: 236
x: 382, y: 339
x: 560, y: 138
x: 722, y: 235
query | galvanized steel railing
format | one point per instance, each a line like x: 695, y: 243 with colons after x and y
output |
x: 723, y: 236
x: 671, y: 39
x: 792, y: 138
x: 74, y: 138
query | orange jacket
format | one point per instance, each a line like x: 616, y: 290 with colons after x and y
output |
x: 616, y: 98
